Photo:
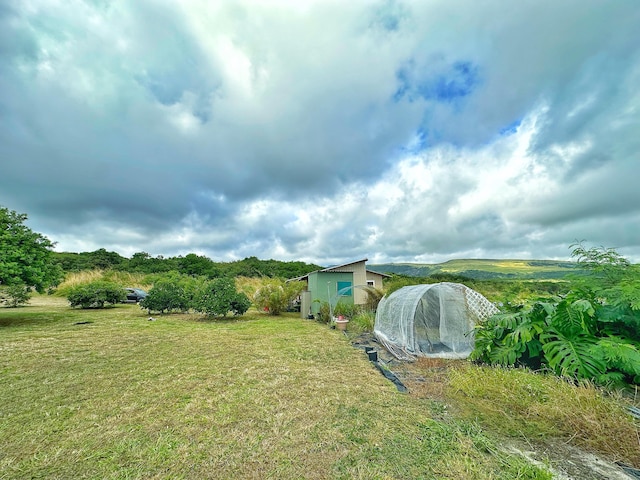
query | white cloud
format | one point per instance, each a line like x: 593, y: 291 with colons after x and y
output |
x: 322, y: 130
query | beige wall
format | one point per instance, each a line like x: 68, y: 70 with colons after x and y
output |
x: 359, y: 270
x: 376, y: 278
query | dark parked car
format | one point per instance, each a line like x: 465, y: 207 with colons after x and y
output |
x: 135, y: 294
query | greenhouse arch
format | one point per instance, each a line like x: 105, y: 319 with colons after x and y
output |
x: 431, y: 320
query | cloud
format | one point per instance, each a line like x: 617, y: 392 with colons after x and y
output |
x: 320, y: 130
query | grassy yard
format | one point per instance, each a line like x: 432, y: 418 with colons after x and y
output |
x: 112, y: 394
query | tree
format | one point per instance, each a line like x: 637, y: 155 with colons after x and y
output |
x: 25, y: 256
x: 194, y: 264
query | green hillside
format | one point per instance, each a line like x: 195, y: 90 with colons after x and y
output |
x: 483, y: 268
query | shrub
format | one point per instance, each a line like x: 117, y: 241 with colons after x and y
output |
x: 169, y: 294
x: 96, y: 295
x: 275, y: 295
x: 214, y: 297
x: 15, y: 295
x: 240, y: 304
x: 324, y: 313
x: 218, y: 297
x: 75, y: 279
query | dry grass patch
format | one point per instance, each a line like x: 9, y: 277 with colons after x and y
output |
x: 534, y: 407
x: 126, y: 279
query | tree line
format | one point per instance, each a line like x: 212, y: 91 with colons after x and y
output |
x: 191, y: 264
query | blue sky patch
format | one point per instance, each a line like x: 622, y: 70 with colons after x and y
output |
x: 511, y: 128
x: 456, y: 82
x: 418, y: 142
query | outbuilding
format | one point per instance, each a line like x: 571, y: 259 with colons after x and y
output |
x: 342, y: 283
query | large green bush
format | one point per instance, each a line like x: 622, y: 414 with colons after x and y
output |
x: 593, y: 332
x: 240, y: 304
x: 181, y: 293
x: 96, y: 294
x: 218, y: 297
x: 168, y: 294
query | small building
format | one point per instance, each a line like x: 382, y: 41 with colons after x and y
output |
x: 344, y: 282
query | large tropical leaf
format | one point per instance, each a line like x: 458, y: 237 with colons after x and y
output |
x: 574, y: 317
x: 619, y: 354
x: 572, y: 355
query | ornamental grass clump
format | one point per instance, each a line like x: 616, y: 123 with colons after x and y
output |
x: 275, y: 296
x: 362, y: 322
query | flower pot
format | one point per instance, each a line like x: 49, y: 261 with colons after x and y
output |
x: 341, y: 324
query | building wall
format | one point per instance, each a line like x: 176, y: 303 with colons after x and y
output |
x: 359, y: 271
x: 324, y: 288
x: 376, y: 278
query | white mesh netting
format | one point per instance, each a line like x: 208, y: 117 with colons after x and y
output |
x: 434, y: 320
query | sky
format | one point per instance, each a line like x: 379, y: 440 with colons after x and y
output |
x: 323, y: 131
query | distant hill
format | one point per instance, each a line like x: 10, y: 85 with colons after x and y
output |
x: 480, y: 269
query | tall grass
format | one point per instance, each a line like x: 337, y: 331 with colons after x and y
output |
x: 362, y: 322
x: 248, y: 285
x: 520, y: 403
x: 126, y: 279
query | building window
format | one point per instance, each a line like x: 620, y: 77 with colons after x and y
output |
x: 371, y: 283
x: 344, y: 289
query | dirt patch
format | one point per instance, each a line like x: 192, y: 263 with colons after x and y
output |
x: 569, y: 462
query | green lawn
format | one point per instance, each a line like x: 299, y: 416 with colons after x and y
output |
x: 121, y: 396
